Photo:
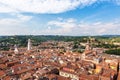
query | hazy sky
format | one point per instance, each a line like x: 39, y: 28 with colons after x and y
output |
x: 59, y: 17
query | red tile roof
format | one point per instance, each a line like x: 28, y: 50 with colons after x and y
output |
x: 2, y: 73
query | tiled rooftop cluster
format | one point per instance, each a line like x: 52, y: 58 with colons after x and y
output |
x: 49, y: 61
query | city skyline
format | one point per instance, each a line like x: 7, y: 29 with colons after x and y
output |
x: 60, y: 17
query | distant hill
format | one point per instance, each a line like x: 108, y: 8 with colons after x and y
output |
x: 110, y: 35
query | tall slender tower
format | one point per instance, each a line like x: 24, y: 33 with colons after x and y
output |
x: 88, y: 47
x: 29, y: 45
x: 15, y: 49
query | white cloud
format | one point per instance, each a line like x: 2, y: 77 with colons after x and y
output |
x: 62, y: 26
x: 17, y: 19
x: 100, y: 28
x: 42, y: 6
x: 46, y: 6
x: 71, y: 27
x: 14, y: 25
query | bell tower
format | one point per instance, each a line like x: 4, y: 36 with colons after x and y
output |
x: 87, y: 48
x: 15, y: 49
x: 29, y: 45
